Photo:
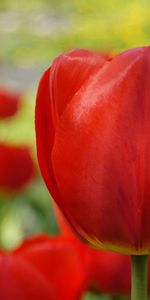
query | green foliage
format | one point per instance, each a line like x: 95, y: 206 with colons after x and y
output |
x: 90, y: 296
x: 102, y: 25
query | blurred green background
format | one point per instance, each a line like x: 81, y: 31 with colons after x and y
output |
x: 32, y: 33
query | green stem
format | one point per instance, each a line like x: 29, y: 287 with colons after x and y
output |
x: 139, y: 277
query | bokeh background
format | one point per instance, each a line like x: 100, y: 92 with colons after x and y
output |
x: 32, y: 33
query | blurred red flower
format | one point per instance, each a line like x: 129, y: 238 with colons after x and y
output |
x: 16, y: 167
x: 9, y: 103
x: 93, y: 141
x: 43, y: 268
x: 19, y: 280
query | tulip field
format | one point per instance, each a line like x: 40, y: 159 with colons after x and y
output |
x: 74, y: 150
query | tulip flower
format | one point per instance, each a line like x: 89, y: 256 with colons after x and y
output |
x: 93, y: 140
x: 9, y: 103
x: 16, y: 167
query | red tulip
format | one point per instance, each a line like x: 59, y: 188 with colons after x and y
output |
x: 56, y: 259
x: 9, y: 103
x: 16, y: 167
x: 93, y: 141
x: 20, y: 280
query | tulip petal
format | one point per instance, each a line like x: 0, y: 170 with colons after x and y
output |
x: 45, y: 132
x: 68, y: 73
x: 57, y: 86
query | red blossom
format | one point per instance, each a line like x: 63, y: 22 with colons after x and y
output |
x: 16, y: 167
x: 9, y: 103
x: 93, y: 141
